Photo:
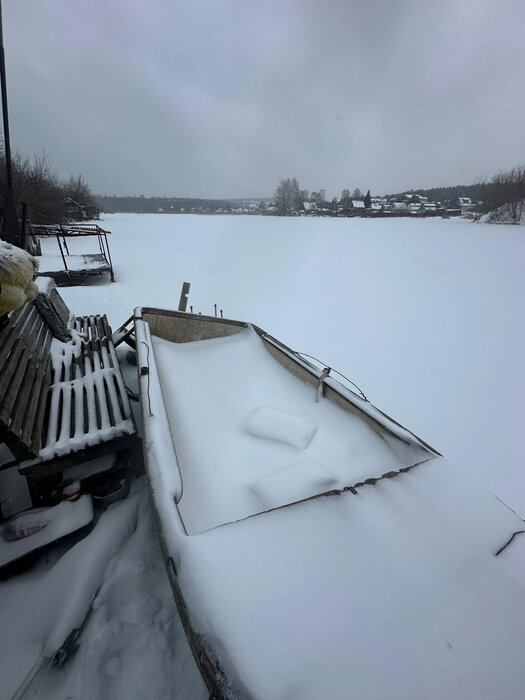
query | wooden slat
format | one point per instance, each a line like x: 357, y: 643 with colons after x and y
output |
x: 9, y: 372
x: 59, y: 305
x: 38, y: 387
x: 107, y: 327
x: 10, y: 338
x: 36, y: 378
x: 20, y: 400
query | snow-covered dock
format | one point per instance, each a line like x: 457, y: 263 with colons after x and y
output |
x: 77, y: 267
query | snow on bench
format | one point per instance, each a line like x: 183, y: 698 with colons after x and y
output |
x: 62, y: 395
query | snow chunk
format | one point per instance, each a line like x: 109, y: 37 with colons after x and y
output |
x: 45, y: 284
x: 281, y: 426
x: 294, y: 483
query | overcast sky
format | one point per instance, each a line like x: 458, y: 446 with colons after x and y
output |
x: 222, y: 98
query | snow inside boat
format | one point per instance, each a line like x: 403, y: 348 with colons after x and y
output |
x: 316, y: 548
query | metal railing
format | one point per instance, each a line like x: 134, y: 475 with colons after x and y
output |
x: 63, y: 232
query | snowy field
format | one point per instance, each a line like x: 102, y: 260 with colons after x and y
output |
x: 425, y: 316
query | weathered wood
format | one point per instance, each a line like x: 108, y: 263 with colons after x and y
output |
x: 52, y: 318
x: 41, y: 405
x: 183, y: 301
x: 59, y: 306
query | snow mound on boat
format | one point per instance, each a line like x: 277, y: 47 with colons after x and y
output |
x: 281, y: 426
x: 217, y: 394
x: 294, y: 483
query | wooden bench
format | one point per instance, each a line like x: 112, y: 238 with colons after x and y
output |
x: 63, y: 400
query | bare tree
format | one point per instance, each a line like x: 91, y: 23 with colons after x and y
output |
x: 287, y: 196
x: 506, y: 194
x: 35, y: 183
x: 78, y: 189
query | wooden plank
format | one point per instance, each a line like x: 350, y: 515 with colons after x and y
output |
x: 34, y: 430
x: 101, y: 332
x: 59, y: 306
x: 32, y: 321
x: 38, y: 469
x: 26, y: 395
x: 183, y: 302
x: 107, y: 328
x: 9, y: 371
x: 52, y: 318
x: 16, y: 377
x: 8, y: 341
x: 28, y: 418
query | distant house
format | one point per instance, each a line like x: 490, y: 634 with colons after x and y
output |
x: 414, y: 208
x: 428, y: 208
x: 465, y: 203
x: 356, y: 204
x: 310, y: 207
x: 72, y: 209
x: 398, y: 207
x: 77, y: 212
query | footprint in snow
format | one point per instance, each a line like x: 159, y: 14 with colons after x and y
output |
x: 112, y: 667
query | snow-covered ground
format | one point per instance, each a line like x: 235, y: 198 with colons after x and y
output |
x: 424, y: 315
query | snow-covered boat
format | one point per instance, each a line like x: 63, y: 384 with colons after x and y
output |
x: 315, y: 547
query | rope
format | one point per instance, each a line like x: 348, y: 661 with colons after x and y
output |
x: 304, y: 354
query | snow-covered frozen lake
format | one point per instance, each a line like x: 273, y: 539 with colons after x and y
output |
x: 425, y: 316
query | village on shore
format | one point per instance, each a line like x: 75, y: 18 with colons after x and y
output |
x: 407, y: 205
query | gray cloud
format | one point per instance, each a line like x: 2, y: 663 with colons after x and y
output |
x: 208, y: 98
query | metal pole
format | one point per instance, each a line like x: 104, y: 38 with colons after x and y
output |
x: 112, y: 274
x: 5, y: 115
x: 61, y: 251
x: 24, y: 226
x: 11, y: 226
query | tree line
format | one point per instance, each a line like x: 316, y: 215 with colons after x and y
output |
x: 152, y: 205
x: 45, y: 194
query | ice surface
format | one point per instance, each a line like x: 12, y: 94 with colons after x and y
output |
x: 214, y: 391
